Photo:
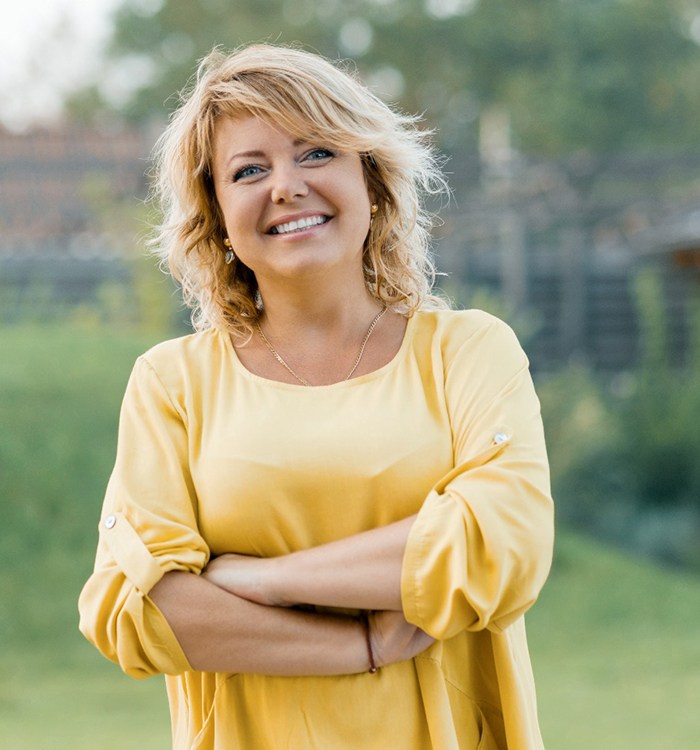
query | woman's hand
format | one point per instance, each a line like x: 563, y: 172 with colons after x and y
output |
x: 250, y: 578
x: 394, y: 639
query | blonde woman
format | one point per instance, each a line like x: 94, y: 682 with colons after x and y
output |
x: 330, y: 505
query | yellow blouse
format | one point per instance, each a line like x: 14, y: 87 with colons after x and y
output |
x: 212, y: 458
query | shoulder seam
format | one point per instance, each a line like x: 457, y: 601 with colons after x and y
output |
x: 492, y: 323
x: 155, y: 373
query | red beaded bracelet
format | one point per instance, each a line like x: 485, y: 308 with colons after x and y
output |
x: 365, y: 622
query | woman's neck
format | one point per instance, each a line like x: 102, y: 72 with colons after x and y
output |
x: 318, y: 312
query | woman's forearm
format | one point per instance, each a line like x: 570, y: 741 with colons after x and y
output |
x: 362, y: 571
x: 221, y: 632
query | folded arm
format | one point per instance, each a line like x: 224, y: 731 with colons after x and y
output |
x: 362, y: 571
x: 221, y: 632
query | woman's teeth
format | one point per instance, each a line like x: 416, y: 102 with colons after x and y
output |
x: 296, y: 226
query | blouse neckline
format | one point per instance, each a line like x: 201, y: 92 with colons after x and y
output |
x: 341, y: 384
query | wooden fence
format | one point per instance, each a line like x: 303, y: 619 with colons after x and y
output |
x: 585, y: 311
x: 579, y: 306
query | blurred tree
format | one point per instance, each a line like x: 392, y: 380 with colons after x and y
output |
x: 595, y: 75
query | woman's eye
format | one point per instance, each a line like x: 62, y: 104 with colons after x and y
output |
x: 319, y: 154
x: 248, y: 171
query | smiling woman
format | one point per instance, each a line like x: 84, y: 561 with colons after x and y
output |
x: 330, y: 505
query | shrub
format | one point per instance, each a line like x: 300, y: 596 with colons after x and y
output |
x: 624, y: 450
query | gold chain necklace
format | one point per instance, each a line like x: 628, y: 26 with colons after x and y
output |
x: 279, y: 358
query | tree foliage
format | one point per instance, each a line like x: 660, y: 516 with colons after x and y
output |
x: 597, y: 75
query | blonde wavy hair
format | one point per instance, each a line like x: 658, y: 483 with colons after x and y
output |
x: 313, y: 99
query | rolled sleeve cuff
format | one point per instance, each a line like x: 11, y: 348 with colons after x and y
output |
x: 425, y: 560
x: 130, y: 553
x: 116, y: 612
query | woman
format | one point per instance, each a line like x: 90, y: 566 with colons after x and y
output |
x: 330, y: 506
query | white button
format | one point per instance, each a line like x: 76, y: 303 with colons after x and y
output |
x: 500, y: 437
x: 110, y: 521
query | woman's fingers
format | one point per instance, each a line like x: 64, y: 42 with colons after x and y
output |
x: 394, y: 639
x: 241, y: 575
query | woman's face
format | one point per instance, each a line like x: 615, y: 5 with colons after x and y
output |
x: 292, y: 209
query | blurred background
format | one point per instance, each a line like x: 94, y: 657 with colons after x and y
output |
x: 571, y: 132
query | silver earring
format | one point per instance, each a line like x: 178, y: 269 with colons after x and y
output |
x: 230, y: 255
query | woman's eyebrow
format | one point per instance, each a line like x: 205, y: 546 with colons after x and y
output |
x: 256, y: 154
x: 245, y: 155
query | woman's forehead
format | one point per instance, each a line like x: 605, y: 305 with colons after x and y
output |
x: 244, y: 125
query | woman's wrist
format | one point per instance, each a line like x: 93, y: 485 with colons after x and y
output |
x: 371, y: 661
x: 272, y: 581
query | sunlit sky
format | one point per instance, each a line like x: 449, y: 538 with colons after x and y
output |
x: 46, y: 48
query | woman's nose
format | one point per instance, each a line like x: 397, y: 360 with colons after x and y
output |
x: 288, y: 184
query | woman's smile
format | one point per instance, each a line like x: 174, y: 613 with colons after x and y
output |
x: 297, y: 225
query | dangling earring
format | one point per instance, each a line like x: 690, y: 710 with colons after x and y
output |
x: 230, y: 255
x: 373, y: 212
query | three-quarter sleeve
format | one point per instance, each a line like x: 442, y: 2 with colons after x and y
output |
x: 148, y: 527
x: 481, y: 546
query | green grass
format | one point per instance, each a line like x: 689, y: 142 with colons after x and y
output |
x: 60, y: 390
x: 73, y: 700
x: 616, y: 652
x: 614, y: 641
